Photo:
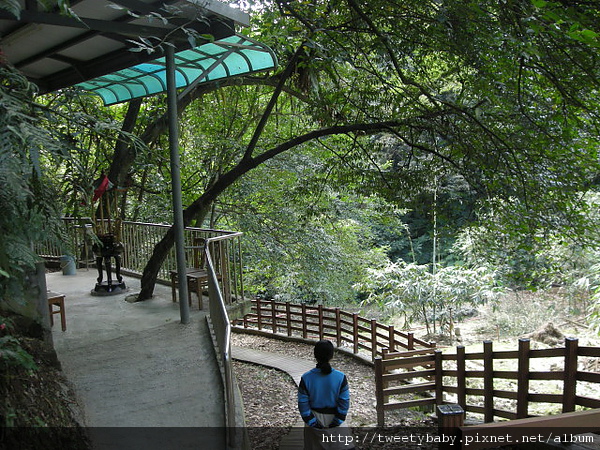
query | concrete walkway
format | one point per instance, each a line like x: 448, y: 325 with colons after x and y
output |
x: 295, y: 367
x: 135, y: 365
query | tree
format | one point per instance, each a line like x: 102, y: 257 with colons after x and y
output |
x: 413, y: 291
x: 503, y: 96
x: 26, y: 191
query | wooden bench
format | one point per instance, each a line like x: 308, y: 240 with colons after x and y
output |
x: 196, y: 276
x: 197, y: 279
x: 57, y: 300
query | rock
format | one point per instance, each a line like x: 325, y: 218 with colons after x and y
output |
x: 548, y: 334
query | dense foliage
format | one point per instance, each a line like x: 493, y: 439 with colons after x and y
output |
x: 395, y: 134
x: 29, y: 212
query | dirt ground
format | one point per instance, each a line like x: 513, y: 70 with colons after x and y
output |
x: 39, y: 410
x: 546, y: 321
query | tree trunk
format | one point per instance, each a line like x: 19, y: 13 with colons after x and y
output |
x: 201, y: 206
x: 125, y: 153
x: 162, y: 248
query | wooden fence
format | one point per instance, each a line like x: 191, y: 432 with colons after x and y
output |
x: 319, y: 322
x: 534, y: 432
x: 437, y: 374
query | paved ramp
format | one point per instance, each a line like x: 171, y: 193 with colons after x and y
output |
x: 135, y: 365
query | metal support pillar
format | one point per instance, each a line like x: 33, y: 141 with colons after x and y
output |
x: 178, y: 226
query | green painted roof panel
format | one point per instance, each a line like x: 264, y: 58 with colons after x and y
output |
x: 229, y: 57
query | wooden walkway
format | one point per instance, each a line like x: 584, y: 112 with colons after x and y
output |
x: 295, y: 367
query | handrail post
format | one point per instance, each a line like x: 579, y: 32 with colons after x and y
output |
x: 338, y: 327
x: 355, y: 331
x: 439, y: 382
x: 373, y: 338
x: 320, y: 321
x: 523, y: 379
x: 304, y: 325
x: 379, y: 391
x: 391, y: 338
x: 488, y: 381
x: 461, y: 381
x: 274, y: 316
x: 288, y: 314
x: 570, y: 375
x: 259, y: 313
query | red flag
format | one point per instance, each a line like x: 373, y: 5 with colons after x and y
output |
x: 104, y: 184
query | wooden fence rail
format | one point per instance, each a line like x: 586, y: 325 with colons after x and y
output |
x: 567, y: 428
x: 320, y: 322
x: 475, y: 390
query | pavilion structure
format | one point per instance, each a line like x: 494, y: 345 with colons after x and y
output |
x: 126, y: 49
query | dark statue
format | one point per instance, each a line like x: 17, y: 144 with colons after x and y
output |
x: 108, y: 247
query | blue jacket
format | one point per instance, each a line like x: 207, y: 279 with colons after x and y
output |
x: 327, y: 394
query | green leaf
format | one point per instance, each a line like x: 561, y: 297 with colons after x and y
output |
x: 12, y: 6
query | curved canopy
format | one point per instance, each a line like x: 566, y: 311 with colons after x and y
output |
x: 57, y: 50
x: 224, y: 58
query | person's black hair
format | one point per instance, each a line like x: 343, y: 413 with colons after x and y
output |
x: 323, y: 354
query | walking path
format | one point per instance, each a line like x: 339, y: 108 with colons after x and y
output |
x: 134, y: 366
x: 295, y: 367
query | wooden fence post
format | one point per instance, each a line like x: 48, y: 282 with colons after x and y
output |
x: 439, y: 381
x: 338, y: 326
x: 373, y: 338
x: 411, y: 341
x: 523, y: 379
x: 384, y: 385
x: 259, y: 313
x: 355, y: 332
x: 379, y: 407
x: 461, y: 381
x: 320, y: 325
x: 304, y: 324
x: 570, y: 371
x: 488, y: 382
x: 391, y: 339
x: 288, y: 313
x: 273, y: 316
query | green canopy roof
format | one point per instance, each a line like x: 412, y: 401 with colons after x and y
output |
x: 224, y: 58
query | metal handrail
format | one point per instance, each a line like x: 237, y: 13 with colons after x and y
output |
x: 222, y: 330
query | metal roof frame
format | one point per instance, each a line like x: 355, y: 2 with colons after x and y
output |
x: 55, y: 50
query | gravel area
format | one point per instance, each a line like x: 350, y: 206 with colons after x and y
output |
x: 270, y: 395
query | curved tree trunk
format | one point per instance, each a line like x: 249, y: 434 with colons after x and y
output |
x: 125, y: 153
x: 200, y: 207
x: 196, y: 211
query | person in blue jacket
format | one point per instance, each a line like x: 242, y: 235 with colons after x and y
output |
x: 323, y: 402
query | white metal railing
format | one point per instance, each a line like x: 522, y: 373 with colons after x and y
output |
x: 222, y: 332
x: 139, y: 240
